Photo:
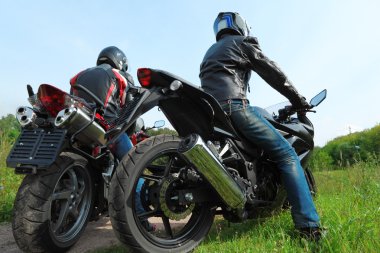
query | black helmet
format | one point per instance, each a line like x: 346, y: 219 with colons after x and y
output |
x: 114, y: 57
x: 230, y: 23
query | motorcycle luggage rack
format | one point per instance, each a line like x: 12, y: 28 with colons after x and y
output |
x: 35, y: 149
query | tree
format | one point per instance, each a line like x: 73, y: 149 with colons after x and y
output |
x: 349, y: 149
x: 164, y: 130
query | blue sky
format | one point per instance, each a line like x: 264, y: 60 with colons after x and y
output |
x: 318, y: 44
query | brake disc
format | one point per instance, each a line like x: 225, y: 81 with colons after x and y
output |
x: 169, y: 202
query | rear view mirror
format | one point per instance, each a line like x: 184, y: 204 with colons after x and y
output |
x: 318, y: 98
x: 159, y: 123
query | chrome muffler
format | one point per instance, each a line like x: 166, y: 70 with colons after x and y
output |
x: 25, y: 116
x: 74, y: 119
x: 199, y: 154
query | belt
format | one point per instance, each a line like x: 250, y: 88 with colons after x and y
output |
x: 229, y: 102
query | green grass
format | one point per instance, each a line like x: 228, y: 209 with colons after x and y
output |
x: 9, y: 182
x: 348, y: 203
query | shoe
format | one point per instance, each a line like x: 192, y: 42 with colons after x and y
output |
x: 312, y: 233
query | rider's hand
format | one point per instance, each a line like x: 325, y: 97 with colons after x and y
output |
x: 301, y: 105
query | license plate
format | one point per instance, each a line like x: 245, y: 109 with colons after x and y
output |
x: 36, y: 147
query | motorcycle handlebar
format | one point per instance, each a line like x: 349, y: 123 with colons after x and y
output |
x: 288, y: 110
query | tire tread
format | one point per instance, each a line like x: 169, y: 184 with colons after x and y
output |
x: 126, y: 170
x: 31, y: 207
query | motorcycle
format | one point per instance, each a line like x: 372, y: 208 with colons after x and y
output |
x: 208, y: 169
x: 66, y: 158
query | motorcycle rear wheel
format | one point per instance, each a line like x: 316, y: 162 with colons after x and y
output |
x: 52, y: 208
x: 178, y: 228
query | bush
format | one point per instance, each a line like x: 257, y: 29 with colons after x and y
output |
x: 9, y: 127
x: 9, y: 182
x: 320, y: 160
x: 347, y: 150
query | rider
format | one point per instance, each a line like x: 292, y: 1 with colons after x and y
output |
x: 109, y: 82
x: 225, y: 72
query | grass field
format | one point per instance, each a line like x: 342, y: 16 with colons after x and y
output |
x: 348, y: 203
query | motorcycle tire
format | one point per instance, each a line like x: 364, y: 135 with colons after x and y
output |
x: 131, y: 229
x: 52, y: 208
x: 311, y: 182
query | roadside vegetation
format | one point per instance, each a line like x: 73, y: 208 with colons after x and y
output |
x: 345, y: 151
x: 347, y: 172
x: 9, y: 182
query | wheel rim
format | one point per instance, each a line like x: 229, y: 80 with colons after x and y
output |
x: 169, y: 231
x: 70, y: 205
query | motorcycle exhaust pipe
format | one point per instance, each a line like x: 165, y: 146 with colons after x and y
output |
x: 74, y: 119
x: 25, y: 116
x: 198, y: 153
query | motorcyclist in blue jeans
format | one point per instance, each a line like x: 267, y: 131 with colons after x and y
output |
x: 225, y: 72
x: 109, y: 81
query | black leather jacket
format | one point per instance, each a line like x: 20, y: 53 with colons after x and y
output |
x: 109, y: 85
x: 226, y: 69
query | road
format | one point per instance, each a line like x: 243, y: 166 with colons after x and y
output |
x: 97, y: 235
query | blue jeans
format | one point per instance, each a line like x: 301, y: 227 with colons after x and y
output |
x: 121, y: 147
x: 259, y: 131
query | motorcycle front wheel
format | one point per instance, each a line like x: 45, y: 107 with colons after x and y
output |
x: 52, y: 208
x: 311, y: 182
x: 145, y: 208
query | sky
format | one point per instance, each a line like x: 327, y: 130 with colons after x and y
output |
x: 325, y: 44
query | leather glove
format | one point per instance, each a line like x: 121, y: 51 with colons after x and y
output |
x: 301, y: 104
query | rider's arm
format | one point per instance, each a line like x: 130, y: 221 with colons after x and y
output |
x: 270, y: 72
x: 122, y: 85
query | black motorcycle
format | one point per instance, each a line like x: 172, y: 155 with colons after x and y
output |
x: 179, y: 183
x: 63, y: 151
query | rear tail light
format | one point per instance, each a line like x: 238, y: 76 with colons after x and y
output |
x: 145, y: 76
x: 52, y: 99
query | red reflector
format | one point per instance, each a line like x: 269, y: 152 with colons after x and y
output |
x: 51, y: 98
x: 144, y: 75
